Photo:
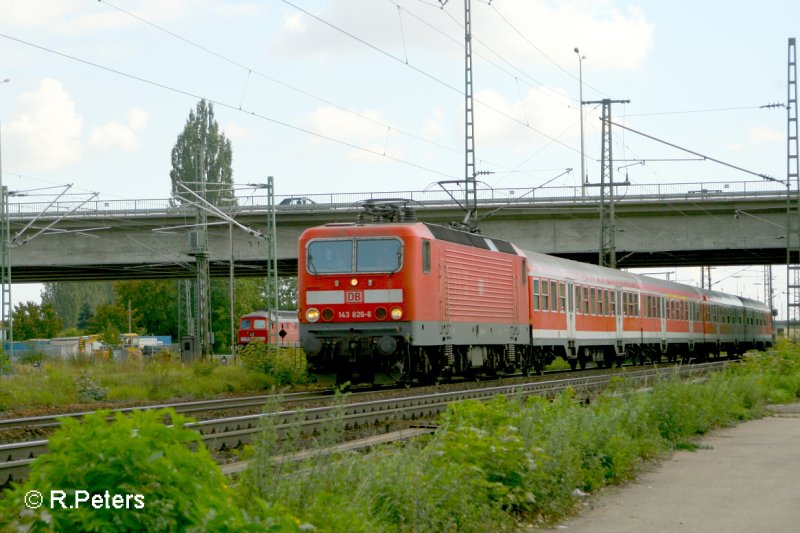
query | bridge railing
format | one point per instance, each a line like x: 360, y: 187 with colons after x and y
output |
x: 431, y: 197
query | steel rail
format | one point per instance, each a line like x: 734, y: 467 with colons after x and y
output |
x: 232, y: 432
x: 47, y: 421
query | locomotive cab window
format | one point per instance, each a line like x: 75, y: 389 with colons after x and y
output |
x: 330, y: 257
x: 426, y: 256
x: 338, y: 256
x: 379, y: 255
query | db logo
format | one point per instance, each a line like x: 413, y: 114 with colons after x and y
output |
x: 355, y: 297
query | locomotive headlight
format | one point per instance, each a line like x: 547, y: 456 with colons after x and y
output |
x: 312, y: 314
x: 396, y: 313
x: 354, y: 282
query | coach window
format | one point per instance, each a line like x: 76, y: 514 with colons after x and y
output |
x: 535, y: 295
x: 553, y: 296
x: 545, y: 299
x: 577, y: 300
x: 586, y: 301
x: 562, y: 297
x: 379, y: 255
x: 612, y: 297
x: 426, y: 256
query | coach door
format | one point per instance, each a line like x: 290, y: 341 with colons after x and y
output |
x: 618, y: 313
x: 570, y: 309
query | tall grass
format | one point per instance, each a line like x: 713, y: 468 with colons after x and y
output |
x: 492, y: 465
x: 55, y: 383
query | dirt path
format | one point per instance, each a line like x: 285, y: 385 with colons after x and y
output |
x: 747, y: 481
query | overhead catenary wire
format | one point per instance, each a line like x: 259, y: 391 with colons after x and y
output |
x: 427, y: 74
x: 698, y: 154
x: 251, y: 70
x: 227, y: 106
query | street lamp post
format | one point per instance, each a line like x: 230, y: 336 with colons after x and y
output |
x: 580, y: 106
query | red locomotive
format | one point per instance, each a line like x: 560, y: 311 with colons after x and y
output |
x: 258, y: 325
x: 419, y: 301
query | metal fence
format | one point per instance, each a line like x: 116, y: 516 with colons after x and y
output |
x: 432, y: 197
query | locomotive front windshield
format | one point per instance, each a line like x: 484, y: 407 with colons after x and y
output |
x: 367, y: 255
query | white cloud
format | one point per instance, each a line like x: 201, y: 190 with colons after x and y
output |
x: 375, y: 139
x: 114, y: 135
x: 137, y: 118
x: 119, y: 135
x: 538, y: 110
x: 234, y: 131
x: 762, y: 134
x: 608, y: 37
x: 295, y: 24
x: 612, y: 38
x: 433, y: 127
x: 340, y: 124
x: 81, y: 17
x: 47, y: 129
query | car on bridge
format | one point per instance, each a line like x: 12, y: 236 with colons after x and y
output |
x: 297, y: 200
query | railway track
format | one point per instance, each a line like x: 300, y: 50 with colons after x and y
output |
x: 200, y: 406
x: 232, y: 432
x: 51, y: 421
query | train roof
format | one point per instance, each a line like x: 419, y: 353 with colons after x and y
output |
x: 557, y: 266
x: 588, y: 273
x: 434, y: 231
x: 283, y: 314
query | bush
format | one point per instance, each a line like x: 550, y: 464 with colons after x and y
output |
x: 89, y: 390
x: 284, y: 365
x: 171, y: 487
x: 492, y: 464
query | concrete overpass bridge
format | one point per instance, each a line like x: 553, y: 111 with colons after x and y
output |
x: 720, y: 223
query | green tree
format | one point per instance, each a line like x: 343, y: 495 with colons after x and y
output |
x: 36, y: 321
x: 85, y: 315
x: 68, y: 298
x: 287, y: 293
x: 248, y: 296
x: 201, y: 135
x: 113, y: 317
x: 155, y: 303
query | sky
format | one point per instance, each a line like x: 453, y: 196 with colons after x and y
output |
x: 332, y: 96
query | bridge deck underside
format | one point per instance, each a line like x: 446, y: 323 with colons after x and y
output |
x: 288, y: 267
